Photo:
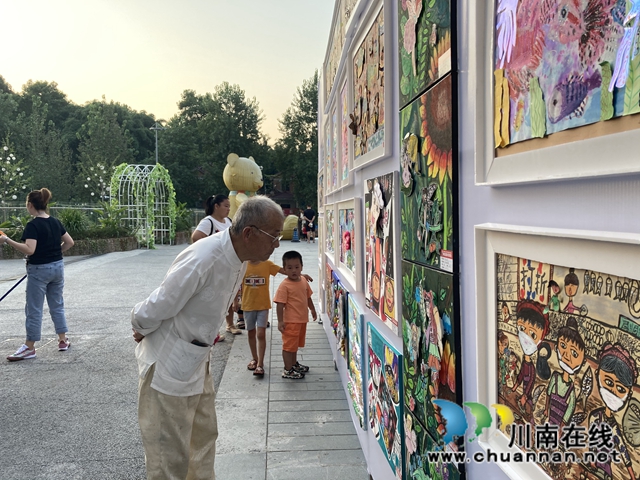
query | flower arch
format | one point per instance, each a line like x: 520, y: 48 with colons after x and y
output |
x: 146, y: 193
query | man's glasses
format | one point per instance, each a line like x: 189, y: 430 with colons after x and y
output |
x: 275, y: 239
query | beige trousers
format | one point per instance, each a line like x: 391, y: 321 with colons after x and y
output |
x: 178, y: 433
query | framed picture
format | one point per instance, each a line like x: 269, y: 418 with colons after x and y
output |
x: 348, y: 231
x: 330, y: 231
x: 384, y: 398
x: 328, y: 290
x: 355, y: 359
x: 559, y: 328
x: 526, y: 58
x: 379, y: 243
x: 338, y: 314
x: 426, y: 165
x: 320, y: 229
x: 370, y: 102
x: 328, y: 174
x: 320, y: 189
x: 431, y: 362
x: 346, y: 174
x: 424, y: 45
x: 335, y: 140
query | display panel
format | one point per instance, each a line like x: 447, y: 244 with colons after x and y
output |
x: 355, y: 360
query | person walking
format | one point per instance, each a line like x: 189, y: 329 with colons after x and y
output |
x: 175, y: 328
x: 45, y: 239
x: 310, y: 219
x: 217, y: 210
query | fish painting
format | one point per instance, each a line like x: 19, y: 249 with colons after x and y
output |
x: 569, y: 97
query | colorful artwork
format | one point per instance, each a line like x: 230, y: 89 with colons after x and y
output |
x: 337, y: 44
x: 561, y: 65
x: 328, y: 290
x: 344, y: 168
x: 430, y: 362
x: 426, y: 163
x: 418, y: 443
x: 346, y: 218
x: 327, y: 155
x: 339, y: 315
x: 367, y: 120
x: 568, y: 343
x: 378, y: 235
x: 334, y: 153
x: 320, y: 189
x: 355, y: 359
x: 384, y: 391
x: 330, y: 239
x: 424, y: 45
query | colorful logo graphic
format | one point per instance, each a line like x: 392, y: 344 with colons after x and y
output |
x: 456, y: 420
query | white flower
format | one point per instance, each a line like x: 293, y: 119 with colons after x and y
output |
x: 92, y: 194
x: 6, y: 148
x: 88, y: 178
x: 86, y: 186
x: 14, y: 197
x: 21, y: 173
x: 18, y: 169
x: 24, y: 186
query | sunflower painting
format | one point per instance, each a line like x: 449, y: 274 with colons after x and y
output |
x: 426, y: 163
x: 424, y: 45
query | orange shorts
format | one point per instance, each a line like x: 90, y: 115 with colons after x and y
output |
x: 293, y: 336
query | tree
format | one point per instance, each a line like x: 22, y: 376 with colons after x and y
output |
x: 296, y: 153
x: 103, y: 145
x: 13, y: 175
x: 45, y: 153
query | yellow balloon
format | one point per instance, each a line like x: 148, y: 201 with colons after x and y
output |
x: 505, y: 413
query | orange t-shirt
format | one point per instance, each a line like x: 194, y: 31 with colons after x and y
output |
x: 295, y: 296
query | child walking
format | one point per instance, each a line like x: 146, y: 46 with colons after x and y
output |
x: 293, y: 300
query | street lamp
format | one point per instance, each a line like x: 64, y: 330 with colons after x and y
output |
x: 156, y: 127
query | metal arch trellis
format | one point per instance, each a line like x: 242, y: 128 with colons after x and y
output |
x: 147, y: 196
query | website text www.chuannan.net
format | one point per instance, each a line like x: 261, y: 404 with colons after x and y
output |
x: 524, y: 457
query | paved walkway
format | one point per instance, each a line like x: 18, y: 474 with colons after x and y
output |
x: 273, y: 428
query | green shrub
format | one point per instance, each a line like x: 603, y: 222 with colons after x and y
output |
x: 75, y: 222
x: 184, y: 218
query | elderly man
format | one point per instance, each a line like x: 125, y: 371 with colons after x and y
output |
x: 176, y: 327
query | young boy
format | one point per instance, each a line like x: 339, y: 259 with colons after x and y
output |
x: 293, y: 300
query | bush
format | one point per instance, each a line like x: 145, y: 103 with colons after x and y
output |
x: 184, y: 218
x: 75, y: 222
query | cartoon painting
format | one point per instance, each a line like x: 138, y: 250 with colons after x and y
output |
x: 335, y: 167
x: 384, y: 394
x: 355, y: 359
x: 378, y: 236
x: 568, y: 343
x: 339, y: 315
x: 418, y: 443
x: 424, y: 45
x: 330, y: 231
x: 562, y: 64
x: 426, y: 163
x: 344, y: 150
x: 367, y: 119
x: 346, y: 219
x: 430, y: 359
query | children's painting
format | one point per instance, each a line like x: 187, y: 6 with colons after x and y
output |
x: 418, y: 443
x: 426, y: 163
x: 378, y: 236
x: 424, y: 45
x: 430, y: 360
x: 335, y: 49
x: 339, y: 315
x: 335, y: 168
x: 328, y: 291
x: 355, y: 359
x: 344, y: 138
x: 327, y: 154
x: 384, y: 394
x: 564, y: 64
x: 330, y: 239
x: 321, y: 189
x: 346, y: 220
x: 568, y: 347
x: 367, y: 119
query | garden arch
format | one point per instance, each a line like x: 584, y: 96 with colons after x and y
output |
x: 146, y: 193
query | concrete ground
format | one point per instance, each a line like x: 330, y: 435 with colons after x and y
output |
x: 72, y: 415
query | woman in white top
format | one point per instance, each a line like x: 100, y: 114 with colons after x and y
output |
x: 217, y: 210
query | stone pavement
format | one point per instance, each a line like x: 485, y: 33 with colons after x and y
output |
x: 277, y: 429
x: 72, y: 415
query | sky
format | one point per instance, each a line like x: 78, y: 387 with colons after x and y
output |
x: 145, y: 53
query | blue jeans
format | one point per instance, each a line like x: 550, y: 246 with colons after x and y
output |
x: 44, y: 280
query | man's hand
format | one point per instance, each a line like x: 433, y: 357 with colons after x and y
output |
x: 309, y: 279
x: 314, y: 314
x: 137, y: 336
x: 280, y: 326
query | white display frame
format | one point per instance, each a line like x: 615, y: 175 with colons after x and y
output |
x: 330, y: 255
x: 386, y: 149
x: 353, y: 281
x: 614, y: 253
x: 579, y: 159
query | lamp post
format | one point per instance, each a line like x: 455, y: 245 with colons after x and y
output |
x: 156, y: 127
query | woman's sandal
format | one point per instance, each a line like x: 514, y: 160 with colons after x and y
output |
x: 252, y: 365
x: 259, y: 371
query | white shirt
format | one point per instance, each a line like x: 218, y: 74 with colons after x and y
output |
x: 209, y: 225
x: 190, y: 304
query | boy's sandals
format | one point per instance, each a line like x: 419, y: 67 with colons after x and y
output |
x: 259, y: 371
x: 252, y: 365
